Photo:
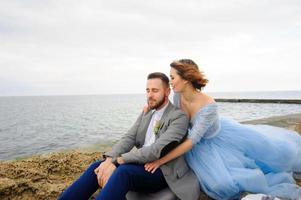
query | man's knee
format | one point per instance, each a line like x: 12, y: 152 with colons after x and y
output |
x: 123, y: 169
x: 94, y: 165
x: 124, y: 172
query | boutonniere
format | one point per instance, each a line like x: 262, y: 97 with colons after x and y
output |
x: 157, y: 127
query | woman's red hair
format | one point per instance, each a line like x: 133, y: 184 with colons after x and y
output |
x: 188, y: 70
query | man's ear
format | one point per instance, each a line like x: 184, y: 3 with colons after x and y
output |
x: 167, y: 92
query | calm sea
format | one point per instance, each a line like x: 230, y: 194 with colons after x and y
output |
x: 40, y: 124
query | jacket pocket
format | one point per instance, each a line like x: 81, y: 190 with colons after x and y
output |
x: 182, y: 171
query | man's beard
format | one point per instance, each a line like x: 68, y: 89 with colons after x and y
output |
x: 157, y: 105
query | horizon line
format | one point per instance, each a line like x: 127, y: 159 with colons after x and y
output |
x: 40, y: 95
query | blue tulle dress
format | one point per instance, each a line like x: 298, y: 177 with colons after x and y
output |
x: 229, y: 158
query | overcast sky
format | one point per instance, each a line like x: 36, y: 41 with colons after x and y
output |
x: 55, y: 47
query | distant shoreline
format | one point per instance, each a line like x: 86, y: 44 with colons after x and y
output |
x: 284, y: 101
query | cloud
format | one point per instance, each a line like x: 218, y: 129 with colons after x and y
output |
x: 70, y: 47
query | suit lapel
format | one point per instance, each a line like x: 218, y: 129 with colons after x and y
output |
x: 166, y: 111
x: 146, y: 120
x: 144, y: 125
x: 164, y: 116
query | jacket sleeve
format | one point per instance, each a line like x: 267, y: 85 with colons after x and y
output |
x: 175, y: 132
x: 127, y: 142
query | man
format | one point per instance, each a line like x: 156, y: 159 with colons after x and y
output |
x: 154, y: 134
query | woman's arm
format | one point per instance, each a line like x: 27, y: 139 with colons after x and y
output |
x: 176, y: 152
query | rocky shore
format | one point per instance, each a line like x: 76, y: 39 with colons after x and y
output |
x: 45, y: 176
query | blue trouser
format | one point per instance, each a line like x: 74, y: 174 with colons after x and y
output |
x: 125, y: 178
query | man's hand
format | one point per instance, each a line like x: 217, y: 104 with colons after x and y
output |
x: 104, y: 171
x: 100, y: 169
x: 103, y: 179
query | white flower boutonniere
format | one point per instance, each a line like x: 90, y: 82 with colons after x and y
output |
x: 157, y: 127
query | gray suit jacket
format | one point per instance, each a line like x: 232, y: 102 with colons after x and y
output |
x: 173, y: 126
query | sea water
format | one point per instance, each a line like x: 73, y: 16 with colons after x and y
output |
x: 38, y: 124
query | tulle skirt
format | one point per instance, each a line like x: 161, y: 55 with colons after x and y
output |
x: 251, y: 158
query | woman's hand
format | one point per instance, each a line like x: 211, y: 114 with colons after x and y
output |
x: 145, y: 108
x: 153, y: 166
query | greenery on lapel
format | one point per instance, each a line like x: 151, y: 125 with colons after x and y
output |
x: 157, y: 127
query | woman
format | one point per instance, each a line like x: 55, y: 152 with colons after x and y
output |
x: 228, y: 157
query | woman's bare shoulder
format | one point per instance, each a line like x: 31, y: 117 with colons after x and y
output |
x: 206, y: 99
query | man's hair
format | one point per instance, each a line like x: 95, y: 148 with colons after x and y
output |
x: 161, y: 76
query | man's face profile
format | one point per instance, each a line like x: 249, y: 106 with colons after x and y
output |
x: 156, y: 93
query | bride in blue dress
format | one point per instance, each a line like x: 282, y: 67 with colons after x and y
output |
x: 228, y: 157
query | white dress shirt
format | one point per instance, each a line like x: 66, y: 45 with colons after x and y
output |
x: 150, y: 136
